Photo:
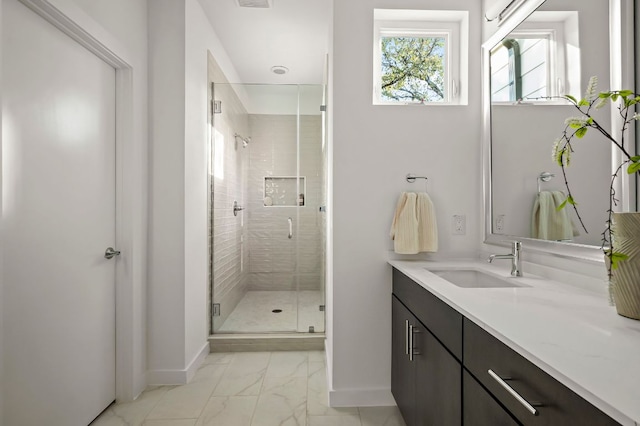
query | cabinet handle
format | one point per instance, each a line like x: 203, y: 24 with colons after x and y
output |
x: 513, y: 393
x: 414, y: 330
x: 406, y: 337
x: 410, y: 343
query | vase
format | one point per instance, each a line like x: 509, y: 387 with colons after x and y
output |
x: 625, y: 279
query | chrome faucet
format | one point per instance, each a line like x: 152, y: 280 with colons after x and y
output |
x: 516, y: 262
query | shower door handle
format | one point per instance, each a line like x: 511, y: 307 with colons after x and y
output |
x: 290, y: 228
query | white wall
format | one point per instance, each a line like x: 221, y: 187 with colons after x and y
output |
x: 179, y: 37
x: 374, y: 147
x: 166, y: 294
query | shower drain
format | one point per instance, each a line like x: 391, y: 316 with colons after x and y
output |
x: 276, y: 311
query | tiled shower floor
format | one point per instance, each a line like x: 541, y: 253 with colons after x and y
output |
x: 254, y: 313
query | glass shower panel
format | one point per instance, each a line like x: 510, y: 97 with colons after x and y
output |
x: 311, y: 220
x: 262, y: 163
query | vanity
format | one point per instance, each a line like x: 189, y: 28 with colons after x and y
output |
x: 473, y: 345
x: 484, y: 348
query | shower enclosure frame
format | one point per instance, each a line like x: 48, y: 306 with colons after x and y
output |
x: 320, y: 208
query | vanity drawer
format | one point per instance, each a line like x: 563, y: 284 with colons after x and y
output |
x: 558, y: 405
x: 442, y: 320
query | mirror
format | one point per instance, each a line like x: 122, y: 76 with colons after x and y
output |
x: 547, y: 49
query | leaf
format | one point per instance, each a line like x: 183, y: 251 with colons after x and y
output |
x: 625, y: 93
x: 571, y: 200
x: 581, y: 132
x: 633, y: 168
x: 571, y: 98
x: 604, y: 95
x: 635, y: 158
x: 614, y: 97
x: 617, y: 257
x: 562, y: 206
x: 583, y: 102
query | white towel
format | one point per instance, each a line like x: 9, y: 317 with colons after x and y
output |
x: 547, y: 222
x: 414, y: 227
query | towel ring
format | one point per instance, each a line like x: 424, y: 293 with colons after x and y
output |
x: 544, y: 177
x: 411, y: 178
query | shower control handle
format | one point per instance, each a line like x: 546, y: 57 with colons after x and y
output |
x: 236, y: 208
x: 290, y: 228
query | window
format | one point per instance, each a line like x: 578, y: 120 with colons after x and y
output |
x: 419, y: 58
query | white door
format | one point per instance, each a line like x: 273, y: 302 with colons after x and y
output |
x: 58, y: 177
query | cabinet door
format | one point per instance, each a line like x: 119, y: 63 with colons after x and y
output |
x: 438, y: 381
x: 480, y: 409
x: 402, y: 369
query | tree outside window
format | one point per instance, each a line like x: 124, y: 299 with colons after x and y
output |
x: 413, y: 69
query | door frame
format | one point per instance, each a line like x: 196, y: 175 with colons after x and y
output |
x: 130, y: 191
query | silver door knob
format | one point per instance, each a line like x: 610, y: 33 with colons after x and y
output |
x: 110, y: 252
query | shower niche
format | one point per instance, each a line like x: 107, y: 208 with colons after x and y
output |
x: 284, y: 191
x: 267, y: 263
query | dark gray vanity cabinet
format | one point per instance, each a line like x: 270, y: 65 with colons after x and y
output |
x: 479, y: 407
x: 531, y: 396
x: 426, y: 377
x: 448, y: 371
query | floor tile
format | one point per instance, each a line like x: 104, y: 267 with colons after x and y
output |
x: 254, y: 313
x: 219, y: 358
x: 282, y: 402
x: 316, y: 356
x: 244, y: 374
x: 175, y: 422
x: 131, y: 413
x: 352, y: 420
x: 317, y: 404
x: 288, y: 364
x: 188, y: 401
x: 381, y: 416
x: 228, y: 411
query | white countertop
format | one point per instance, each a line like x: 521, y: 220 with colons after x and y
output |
x: 572, y: 334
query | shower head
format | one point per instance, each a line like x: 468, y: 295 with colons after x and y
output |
x: 245, y: 141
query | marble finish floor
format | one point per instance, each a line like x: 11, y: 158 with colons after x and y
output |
x: 248, y: 389
x: 253, y: 314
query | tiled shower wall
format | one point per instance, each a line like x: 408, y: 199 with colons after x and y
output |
x: 229, y: 179
x: 275, y: 261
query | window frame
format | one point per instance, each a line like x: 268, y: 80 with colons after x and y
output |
x: 453, y: 25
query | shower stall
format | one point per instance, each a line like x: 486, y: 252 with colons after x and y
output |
x: 268, y: 180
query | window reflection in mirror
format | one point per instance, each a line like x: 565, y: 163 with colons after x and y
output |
x: 539, y: 60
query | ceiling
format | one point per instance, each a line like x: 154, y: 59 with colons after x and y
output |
x: 292, y: 33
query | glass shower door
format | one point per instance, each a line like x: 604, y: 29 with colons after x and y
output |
x: 267, y: 159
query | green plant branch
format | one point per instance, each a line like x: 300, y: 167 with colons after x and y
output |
x: 564, y: 147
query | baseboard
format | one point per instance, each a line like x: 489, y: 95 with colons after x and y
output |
x: 361, y: 398
x: 197, y: 361
x: 178, y: 377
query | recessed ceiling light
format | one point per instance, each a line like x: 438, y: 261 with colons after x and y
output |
x: 279, y: 69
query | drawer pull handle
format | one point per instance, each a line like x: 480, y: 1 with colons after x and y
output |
x: 406, y: 337
x: 413, y: 330
x: 410, y: 343
x: 513, y: 393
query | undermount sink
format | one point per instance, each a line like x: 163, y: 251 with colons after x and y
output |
x: 472, y: 278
